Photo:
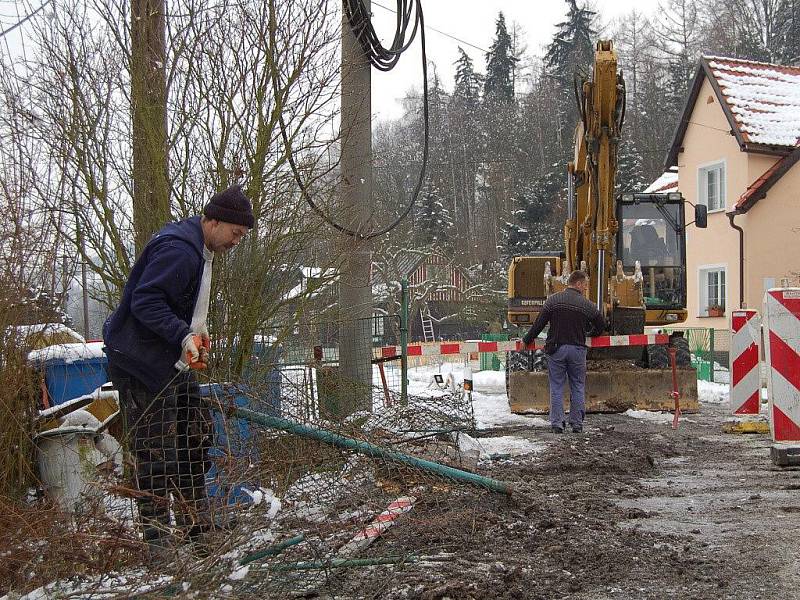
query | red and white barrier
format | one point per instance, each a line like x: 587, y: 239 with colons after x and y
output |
x: 444, y: 348
x: 745, y: 383
x: 379, y: 524
x: 782, y: 349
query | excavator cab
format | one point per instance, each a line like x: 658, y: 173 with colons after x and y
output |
x: 652, y: 232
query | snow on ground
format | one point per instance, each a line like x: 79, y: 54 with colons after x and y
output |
x: 492, y: 410
x: 713, y: 393
x: 107, y: 585
x: 509, y: 444
x: 649, y: 415
x: 489, y: 399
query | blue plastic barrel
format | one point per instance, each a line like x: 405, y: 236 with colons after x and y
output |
x: 234, y: 445
x: 66, y: 380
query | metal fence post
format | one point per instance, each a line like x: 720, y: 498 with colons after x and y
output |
x: 711, y: 351
x: 404, y: 342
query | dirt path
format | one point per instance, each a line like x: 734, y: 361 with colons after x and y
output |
x: 629, y: 509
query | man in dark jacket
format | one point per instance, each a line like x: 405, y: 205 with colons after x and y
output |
x: 150, y: 340
x: 570, y: 316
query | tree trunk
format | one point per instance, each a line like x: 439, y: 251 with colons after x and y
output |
x: 151, y: 207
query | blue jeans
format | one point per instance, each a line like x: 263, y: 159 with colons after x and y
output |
x: 567, y: 362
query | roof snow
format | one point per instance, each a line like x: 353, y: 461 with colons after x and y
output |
x: 668, y: 181
x: 763, y: 98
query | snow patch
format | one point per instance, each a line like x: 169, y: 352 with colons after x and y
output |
x: 649, y: 415
x: 713, y: 393
x: 510, y: 444
x: 239, y: 573
x: 69, y: 353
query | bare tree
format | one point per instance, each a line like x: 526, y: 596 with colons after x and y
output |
x: 222, y: 125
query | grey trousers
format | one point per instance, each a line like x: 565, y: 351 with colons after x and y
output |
x: 567, y: 362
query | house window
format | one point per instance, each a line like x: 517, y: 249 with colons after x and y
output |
x: 712, y: 291
x: 711, y: 180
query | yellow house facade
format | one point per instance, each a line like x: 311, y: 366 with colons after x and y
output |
x: 735, y: 150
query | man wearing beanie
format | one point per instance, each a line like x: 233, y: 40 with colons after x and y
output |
x: 151, y: 340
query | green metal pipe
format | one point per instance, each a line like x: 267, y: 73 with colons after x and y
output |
x: 272, y: 550
x: 343, y: 563
x: 404, y: 342
x: 362, y: 447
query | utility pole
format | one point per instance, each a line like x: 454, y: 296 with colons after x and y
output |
x: 355, y: 288
x: 151, y: 208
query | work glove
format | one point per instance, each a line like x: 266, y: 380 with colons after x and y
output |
x: 190, y: 349
x: 194, y: 353
x: 202, y: 331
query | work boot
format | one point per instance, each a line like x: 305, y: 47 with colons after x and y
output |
x: 557, y: 429
x: 577, y: 429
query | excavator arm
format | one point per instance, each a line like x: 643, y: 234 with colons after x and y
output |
x: 591, y: 228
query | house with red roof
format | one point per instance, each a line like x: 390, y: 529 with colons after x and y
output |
x: 735, y: 150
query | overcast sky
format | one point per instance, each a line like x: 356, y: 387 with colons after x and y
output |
x: 472, y: 21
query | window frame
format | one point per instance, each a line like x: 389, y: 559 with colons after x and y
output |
x: 702, y: 287
x: 722, y: 184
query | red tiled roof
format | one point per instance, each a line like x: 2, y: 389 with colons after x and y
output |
x: 761, y: 103
x: 763, y: 98
x: 670, y: 186
x: 759, y: 188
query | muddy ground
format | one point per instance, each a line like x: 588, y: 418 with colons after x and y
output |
x: 629, y: 509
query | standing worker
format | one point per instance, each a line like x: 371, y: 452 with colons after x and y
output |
x: 158, y: 331
x: 570, y: 316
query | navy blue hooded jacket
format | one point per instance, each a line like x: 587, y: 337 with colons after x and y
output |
x: 143, y: 336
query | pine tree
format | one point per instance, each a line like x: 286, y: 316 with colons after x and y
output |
x: 571, y: 52
x: 789, y: 34
x: 434, y: 221
x: 537, y: 224
x: 498, y: 88
x: 572, y: 47
x: 466, y: 92
x: 630, y: 173
x: 464, y: 145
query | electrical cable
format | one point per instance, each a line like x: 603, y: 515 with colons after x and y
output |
x: 439, y: 31
x: 383, y: 59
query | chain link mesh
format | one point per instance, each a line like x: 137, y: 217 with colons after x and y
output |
x: 211, y: 500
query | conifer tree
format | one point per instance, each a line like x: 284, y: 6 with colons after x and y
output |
x: 630, y: 173
x: 498, y: 87
x: 570, y: 53
x: 466, y: 91
x: 434, y: 220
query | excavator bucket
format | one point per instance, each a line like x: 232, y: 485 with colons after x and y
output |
x: 608, y: 390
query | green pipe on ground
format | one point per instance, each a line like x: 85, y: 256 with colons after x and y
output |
x: 272, y: 550
x: 362, y: 447
x: 343, y: 563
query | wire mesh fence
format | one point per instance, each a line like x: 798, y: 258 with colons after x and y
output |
x: 261, y: 484
x: 710, y: 350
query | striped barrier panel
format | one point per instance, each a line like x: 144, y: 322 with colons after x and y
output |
x: 379, y: 524
x: 745, y: 356
x: 782, y: 349
x: 445, y: 348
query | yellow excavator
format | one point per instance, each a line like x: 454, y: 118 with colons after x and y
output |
x: 634, y: 250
